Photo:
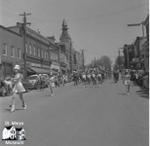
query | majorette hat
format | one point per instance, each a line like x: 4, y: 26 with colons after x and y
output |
x: 17, y: 67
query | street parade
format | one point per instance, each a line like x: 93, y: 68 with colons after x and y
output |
x: 74, y: 73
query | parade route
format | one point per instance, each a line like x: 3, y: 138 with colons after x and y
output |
x: 79, y: 116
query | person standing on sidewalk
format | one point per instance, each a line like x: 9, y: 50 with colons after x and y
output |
x: 127, y: 81
x: 18, y: 88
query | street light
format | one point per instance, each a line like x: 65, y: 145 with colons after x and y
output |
x: 138, y: 24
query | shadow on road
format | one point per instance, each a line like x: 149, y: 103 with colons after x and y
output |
x: 17, y: 109
x: 124, y: 94
x: 143, y: 93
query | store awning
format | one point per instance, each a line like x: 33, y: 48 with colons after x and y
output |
x: 54, y: 71
x: 41, y: 70
x: 30, y: 71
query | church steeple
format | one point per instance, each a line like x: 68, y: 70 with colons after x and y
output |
x: 65, y: 35
x: 64, y: 25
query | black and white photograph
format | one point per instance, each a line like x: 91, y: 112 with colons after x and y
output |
x: 74, y: 72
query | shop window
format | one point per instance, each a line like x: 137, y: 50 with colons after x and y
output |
x: 47, y: 55
x: 12, y: 51
x: 30, y: 49
x: 34, y: 51
x: 44, y: 54
x: 27, y: 50
x: 4, y: 49
x: 39, y: 55
x: 19, y: 53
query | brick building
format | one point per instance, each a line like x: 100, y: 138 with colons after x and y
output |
x: 64, y: 64
x: 54, y: 55
x: 145, y: 46
x: 41, y: 52
x: 78, y: 57
x: 11, y: 45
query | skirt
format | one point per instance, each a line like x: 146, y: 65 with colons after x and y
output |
x: 18, y: 88
x: 127, y: 82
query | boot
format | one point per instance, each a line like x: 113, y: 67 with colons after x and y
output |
x: 24, y: 106
x: 12, y: 108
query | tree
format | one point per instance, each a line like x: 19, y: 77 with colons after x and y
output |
x: 119, y: 62
x: 105, y: 61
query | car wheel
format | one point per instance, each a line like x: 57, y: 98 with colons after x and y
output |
x: 38, y: 87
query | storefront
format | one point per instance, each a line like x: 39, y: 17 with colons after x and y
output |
x: 55, y: 67
x: 6, y: 69
x: 38, y: 68
x: 145, y: 51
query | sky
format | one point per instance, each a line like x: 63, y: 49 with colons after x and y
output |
x: 97, y: 26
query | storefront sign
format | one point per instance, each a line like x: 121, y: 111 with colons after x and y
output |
x: 34, y: 64
x: 46, y: 66
x: 55, y: 67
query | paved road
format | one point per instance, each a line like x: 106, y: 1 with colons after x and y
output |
x: 78, y: 116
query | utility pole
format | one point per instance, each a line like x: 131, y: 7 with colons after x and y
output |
x: 70, y: 57
x: 126, y: 55
x: 24, y: 24
x: 120, y: 59
x: 127, y: 49
x: 83, y: 60
x: 59, y: 61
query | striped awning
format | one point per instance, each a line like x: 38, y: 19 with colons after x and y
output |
x: 41, y: 70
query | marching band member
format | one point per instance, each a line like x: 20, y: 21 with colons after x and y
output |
x: 18, y: 88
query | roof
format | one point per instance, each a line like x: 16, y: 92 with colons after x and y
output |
x: 7, y: 29
x: 30, y: 32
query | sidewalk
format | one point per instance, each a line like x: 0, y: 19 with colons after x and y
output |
x: 135, y: 90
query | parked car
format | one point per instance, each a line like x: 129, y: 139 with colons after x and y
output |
x: 3, y: 90
x: 34, y: 80
x: 44, y: 78
x: 27, y: 85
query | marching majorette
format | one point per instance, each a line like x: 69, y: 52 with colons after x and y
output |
x: 127, y: 81
x: 84, y: 78
x: 99, y: 78
x: 93, y: 77
x: 51, y: 86
x: 51, y: 83
x: 18, y: 88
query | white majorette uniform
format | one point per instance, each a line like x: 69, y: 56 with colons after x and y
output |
x: 89, y: 76
x: 93, y: 75
x: 127, y: 80
x: 84, y: 76
x: 18, y: 87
